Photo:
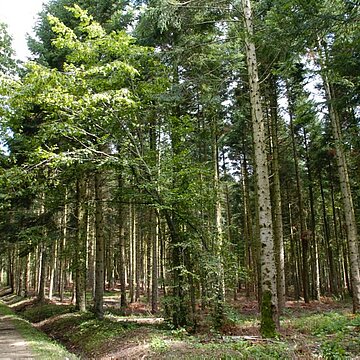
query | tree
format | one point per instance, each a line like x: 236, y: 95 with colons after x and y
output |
x: 269, y: 313
x: 7, y: 62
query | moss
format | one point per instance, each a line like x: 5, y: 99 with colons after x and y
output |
x: 268, y: 325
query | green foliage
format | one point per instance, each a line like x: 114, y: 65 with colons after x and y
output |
x: 97, y: 90
x: 270, y: 351
x: 328, y: 323
x: 242, y: 349
x: 112, y: 15
x: 7, y: 62
x: 235, y: 317
x: 158, y: 344
x: 333, y: 350
x: 337, y: 332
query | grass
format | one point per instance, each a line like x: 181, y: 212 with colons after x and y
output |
x: 158, y: 344
x: 44, y: 311
x: 39, y: 343
x: 242, y: 349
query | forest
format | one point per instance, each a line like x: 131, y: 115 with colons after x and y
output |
x: 194, y: 161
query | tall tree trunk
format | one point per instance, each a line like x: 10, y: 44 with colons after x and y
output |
x: 154, y: 277
x: 132, y: 254
x: 137, y: 253
x: 27, y: 276
x: 350, y: 221
x: 62, y: 263
x: 269, y: 302
x: 329, y: 250
x: 91, y: 252
x: 100, y: 247
x: 276, y: 197
x: 303, y: 234
x: 315, y: 254
x: 43, y: 273
x: 295, y: 259
x: 219, y: 301
x: 80, y: 248
x: 52, y: 269
x: 345, y: 255
x: 10, y: 271
x: 248, y: 229
x: 122, y: 259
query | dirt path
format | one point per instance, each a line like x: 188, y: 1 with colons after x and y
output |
x: 12, y: 344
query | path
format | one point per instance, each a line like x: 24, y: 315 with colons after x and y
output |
x: 12, y: 344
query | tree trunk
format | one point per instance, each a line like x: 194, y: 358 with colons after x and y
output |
x: 80, y: 248
x: 43, y: 273
x: 27, y: 276
x: 52, y: 269
x: 132, y: 254
x: 122, y: 261
x: 248, y: 229
x: 350, y: 221
x: 100, y: 247
x: 269, y: 312
x: 314, y: 247
x: 329, y: 251
x: 62, y: 263
x: 303, y: 234
x: 154, y: 277
x: 276, y: 197
x: 219, y: 301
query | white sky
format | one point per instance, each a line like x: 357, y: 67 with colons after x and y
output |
x: 20, y: 16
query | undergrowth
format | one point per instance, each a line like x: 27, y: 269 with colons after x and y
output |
x: 337, y: 333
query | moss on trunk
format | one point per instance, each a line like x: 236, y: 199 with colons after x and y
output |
x: 268, y: 324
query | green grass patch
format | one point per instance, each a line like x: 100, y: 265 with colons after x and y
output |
x: 39, y: 343
x: 326, y: 323
x: 338, y: 333
x: 158, y: 344
x: 40, y: 312
x: 243, y: 349
x: 86, y: 332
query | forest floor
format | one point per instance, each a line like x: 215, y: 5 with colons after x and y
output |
x: 319, y: 330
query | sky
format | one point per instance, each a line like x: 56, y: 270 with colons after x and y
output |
x: 20, y: 16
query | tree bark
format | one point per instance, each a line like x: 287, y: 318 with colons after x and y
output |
x: 43, y: 273
x: 276, y: 197
x: 100, y: 247
x: 122, y: 261
x: 80, y: 249
x: 219, y: 301
x: 269, y: 306
x: 347, y: 201
x: 154, y: 277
